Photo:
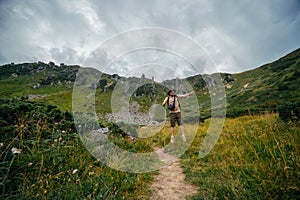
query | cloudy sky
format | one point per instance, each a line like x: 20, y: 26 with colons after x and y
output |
x: 237, y: 35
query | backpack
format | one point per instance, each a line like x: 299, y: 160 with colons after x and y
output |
x: 172, y: 107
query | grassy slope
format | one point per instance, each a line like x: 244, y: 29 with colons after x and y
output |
x: 269, y: 84
x: 256, y: 157
x: 50, y: 176
x: 51, y: 151
x: 262, y: 88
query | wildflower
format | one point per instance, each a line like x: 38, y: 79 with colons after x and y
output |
x: 55, y: 140
x: 60, y: 138
x: 15, y: 150
x: 74, y: 171
x: 30, y: 164
x: 1, y: 144
x: 77, y: 181
x: 63, y: 131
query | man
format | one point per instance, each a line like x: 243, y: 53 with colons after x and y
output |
x: 175, y: 114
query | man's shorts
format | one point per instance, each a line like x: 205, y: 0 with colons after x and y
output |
x: 175, y: 117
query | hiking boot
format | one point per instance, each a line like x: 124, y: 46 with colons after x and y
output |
x: 172, y: 139
x: 183, y: 138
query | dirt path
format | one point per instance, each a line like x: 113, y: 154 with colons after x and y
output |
x: 169, y: 183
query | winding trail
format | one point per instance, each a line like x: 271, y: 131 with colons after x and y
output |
x: 169, y: 183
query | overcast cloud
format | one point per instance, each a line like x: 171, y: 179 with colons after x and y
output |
x: 238, y: 35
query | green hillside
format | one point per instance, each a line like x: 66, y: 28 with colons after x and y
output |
x: 257, y: 90
x: 268, y: 85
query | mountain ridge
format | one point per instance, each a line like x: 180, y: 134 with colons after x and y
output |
x: 261, y: 88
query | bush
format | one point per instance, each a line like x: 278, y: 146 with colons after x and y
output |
x: 289, y: 111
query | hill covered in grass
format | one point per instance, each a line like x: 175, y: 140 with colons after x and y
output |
x: 254, y: 91
x: 258, y: 90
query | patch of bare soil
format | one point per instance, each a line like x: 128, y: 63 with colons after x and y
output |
x: 169, y: 183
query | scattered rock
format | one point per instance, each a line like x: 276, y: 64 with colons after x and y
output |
x: 14, y: 75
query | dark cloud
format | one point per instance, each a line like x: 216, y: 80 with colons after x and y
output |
x: 66, y: 55
x: 238, y: 35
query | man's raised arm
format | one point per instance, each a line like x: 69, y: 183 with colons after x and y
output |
x: 185, y: 95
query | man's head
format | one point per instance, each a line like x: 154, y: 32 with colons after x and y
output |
x: 171, y: 93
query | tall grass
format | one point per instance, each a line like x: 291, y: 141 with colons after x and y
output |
x: 256, y: 157
x: 54, y: 164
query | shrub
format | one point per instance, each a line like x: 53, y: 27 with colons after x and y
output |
x: 289, y: 111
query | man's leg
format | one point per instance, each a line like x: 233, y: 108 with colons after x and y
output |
x: 172, y: 134
x: 182, y: 132
x: 172, y: 131
x: 181, y: 127
x: 172, y: 124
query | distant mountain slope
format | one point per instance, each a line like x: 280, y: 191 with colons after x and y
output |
x: 260, y: 89
x: 268, y: 85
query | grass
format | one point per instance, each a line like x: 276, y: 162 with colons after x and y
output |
x: 48, y: 173
x: 54, y: 164
x: 23, y: 85
x: 256, y: 157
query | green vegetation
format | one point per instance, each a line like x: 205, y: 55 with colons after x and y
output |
x: 43, y: 158
x: 256, y: 157
x: 289, y: 111
x: 267, y: 86
x: 35, y: 78
x: 256, y: 91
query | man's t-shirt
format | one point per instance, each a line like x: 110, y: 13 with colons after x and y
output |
x: 171, y: 100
